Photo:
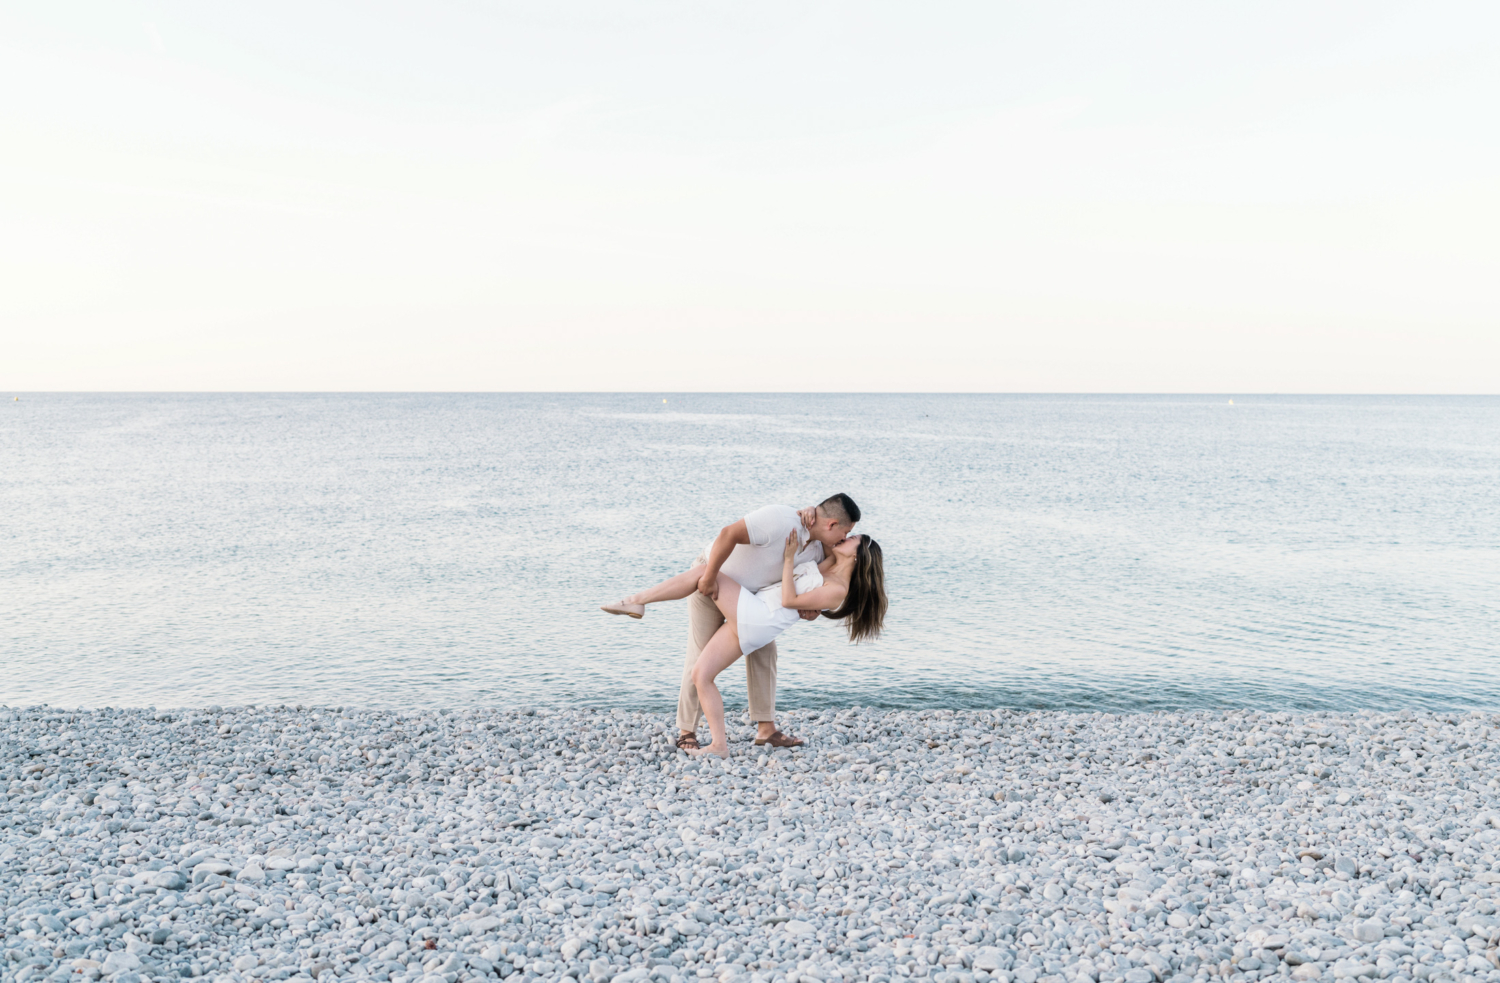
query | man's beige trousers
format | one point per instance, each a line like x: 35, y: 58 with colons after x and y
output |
x: 704, y: 618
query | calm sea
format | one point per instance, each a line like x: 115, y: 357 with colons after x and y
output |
x: 1105, y: 552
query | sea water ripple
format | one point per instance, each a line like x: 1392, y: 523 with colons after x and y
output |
x: 1074, y: 552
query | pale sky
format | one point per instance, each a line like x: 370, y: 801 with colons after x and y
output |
x: 701, y: 195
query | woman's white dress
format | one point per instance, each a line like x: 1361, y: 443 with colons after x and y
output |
x: 760, y: 616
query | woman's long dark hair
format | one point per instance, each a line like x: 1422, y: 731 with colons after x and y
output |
x: 865, y: 604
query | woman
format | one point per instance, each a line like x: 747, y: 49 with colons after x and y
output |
x: 847, y: 586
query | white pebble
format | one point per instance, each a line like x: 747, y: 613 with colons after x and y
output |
x: 1023, y: 847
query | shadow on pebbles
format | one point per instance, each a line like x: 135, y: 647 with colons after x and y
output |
x: 291, y: 843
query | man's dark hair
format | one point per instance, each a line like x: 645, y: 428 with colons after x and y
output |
x: 840, y: 508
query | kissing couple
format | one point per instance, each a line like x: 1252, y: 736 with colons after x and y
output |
x: 757, y: 578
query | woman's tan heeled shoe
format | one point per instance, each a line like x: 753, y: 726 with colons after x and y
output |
x: 620, y: 607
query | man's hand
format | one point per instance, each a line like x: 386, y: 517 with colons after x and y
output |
x: 809, y: 517
x: 809, y: 615
x: 708, y: 586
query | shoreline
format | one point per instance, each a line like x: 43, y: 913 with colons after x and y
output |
x: 271, y: 843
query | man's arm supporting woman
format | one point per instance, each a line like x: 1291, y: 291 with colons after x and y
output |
x: 732, y: 535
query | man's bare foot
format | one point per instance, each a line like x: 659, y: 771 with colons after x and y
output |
x: 722, y: 750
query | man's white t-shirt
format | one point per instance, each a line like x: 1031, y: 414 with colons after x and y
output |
x: 758, y: 565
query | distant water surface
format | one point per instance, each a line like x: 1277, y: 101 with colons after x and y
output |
x: 1113, y: 553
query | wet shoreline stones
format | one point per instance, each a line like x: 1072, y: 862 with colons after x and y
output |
x: 256, y: 843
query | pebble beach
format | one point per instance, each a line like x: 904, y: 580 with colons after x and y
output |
x: 291, y: 843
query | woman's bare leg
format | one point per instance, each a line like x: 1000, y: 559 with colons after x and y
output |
x: 671, y: 589
x: 721, y: 652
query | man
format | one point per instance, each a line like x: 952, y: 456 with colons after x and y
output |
x: 750, y: 552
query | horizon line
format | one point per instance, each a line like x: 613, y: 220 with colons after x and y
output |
x: 724, y: 392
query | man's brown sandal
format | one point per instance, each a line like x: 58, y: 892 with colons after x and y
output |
x: 778, y: 739
x: 688, y: 742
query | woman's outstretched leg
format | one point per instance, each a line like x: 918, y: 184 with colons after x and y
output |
x: 671, y: 589
x: 721, y: 652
